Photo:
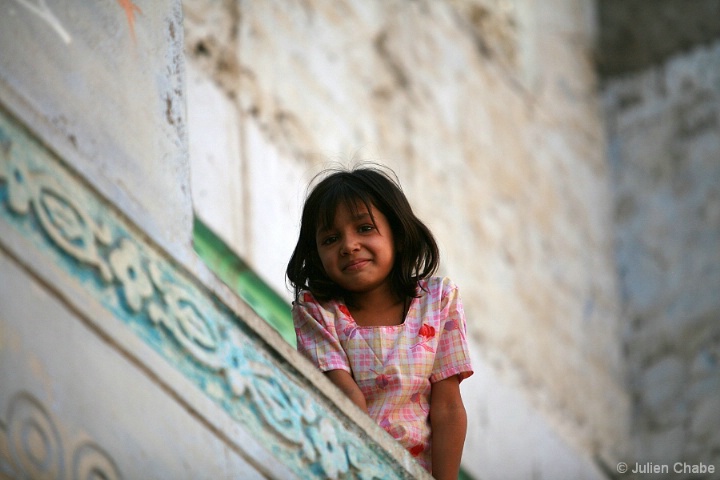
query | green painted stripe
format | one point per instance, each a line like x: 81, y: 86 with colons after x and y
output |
x: 232, y: 270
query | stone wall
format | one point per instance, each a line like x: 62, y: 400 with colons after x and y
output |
x: 664, y: 137
x: 488, y: 112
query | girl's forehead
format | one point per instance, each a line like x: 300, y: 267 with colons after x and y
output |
x: 356, y: 208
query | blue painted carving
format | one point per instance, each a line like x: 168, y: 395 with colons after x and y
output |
x: 91, y: 241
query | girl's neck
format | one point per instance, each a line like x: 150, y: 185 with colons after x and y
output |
x: 377, y: 308
x: 382, y: 296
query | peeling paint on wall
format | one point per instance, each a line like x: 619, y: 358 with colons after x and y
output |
x: 130, y: 10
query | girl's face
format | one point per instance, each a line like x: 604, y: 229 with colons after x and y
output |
x: 356, y: 253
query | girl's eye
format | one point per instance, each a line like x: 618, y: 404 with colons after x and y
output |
x: 366, y: 228
x: 328, y: 240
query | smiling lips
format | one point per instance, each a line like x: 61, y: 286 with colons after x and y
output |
x: 356, y: 265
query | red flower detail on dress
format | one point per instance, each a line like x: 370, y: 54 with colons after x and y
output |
x: 416, y: 450
x: 344, y: 310
x: 426, y: 331
x: 381, y: 380
x: 307, y: 298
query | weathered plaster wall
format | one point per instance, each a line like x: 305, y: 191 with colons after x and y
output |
x: 84, y: 77
x: 488, y: 112
x: 664, y: 137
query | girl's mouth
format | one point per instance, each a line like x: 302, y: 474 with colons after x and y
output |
x: 356, y: 265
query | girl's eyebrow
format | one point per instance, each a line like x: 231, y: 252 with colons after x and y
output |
x: 326, y: 228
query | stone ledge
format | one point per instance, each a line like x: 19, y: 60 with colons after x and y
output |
x: 52, y: 221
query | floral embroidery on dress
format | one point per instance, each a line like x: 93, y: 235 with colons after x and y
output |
x: 416, y: 450
x: 381, y: 380
x: 417, y: 398
x: 344, y: 310
x: 350, y: 331
x: 451, y: 325
x: 426, y: 333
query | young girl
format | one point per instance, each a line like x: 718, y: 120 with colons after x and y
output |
x: 369, y: 313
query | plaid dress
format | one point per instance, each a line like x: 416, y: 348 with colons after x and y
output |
x: 394, y: 366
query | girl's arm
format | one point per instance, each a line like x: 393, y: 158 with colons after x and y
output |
x: 449, y: 425
x: 345, y: 382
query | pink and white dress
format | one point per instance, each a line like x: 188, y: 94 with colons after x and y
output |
x: 394, y: 366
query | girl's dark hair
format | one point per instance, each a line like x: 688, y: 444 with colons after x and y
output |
x: 416, y: 252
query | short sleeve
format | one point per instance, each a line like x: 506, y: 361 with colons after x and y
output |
x: 452, y: 356
x: 316, y: 336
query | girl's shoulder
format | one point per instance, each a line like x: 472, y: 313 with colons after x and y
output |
x: 437, y: 287
x: 306, y: 300
x: 326, y: 309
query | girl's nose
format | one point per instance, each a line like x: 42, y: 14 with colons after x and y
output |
x: 350, y: 244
